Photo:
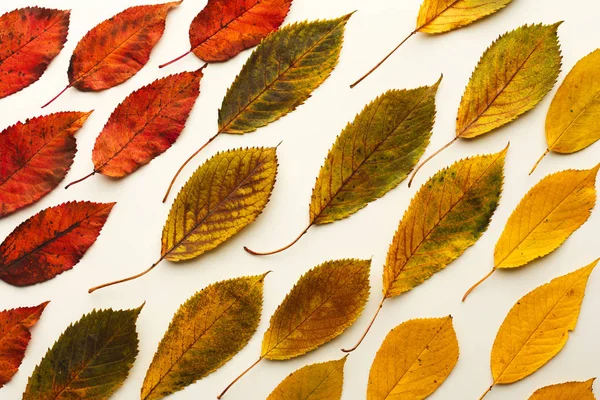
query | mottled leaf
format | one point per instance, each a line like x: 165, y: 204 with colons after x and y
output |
x: 30, y: 38
x: 415, y: 358
x: 51, y: 242
x: 206, y: 332
x: 14, y: 338
x: 438, y: 16
x: 90, y: 360
x: 566, y: 391
x: 36, y: 156
x: 321, y: 381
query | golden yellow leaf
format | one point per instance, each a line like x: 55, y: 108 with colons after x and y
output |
x: 415, y: 358
x: 572, y: 120
x: 321, y: 381
x: 538, y: 326
x: 206, y: 332
x: 566, y: 391
x: 438, y: 16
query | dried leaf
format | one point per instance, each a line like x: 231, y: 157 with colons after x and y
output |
x: 321, y: 381
x: 36, y: 157
x: 538, y: 326
x: 372, y: 155
x: 572, y: 120
x: 415, y: 358
x: 30, y: 38
x: 90, y: 360
x: 14, y: 338
x: 51, y: 242
x: 206, y: 332
x: 566, y: 391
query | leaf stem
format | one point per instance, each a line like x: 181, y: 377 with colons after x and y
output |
x: 486, y: 392
x: 186, y: 163
x: 256, y: 253
x: 429, y: 158
x: 382, y: 61
x: 367, y: 330
x: 477, y: 284
x: 80, y: 180
x: 539, y: 161
x: 92, y: 290
x: 238, y: 378
x: 57, y: 96
x: 174, y: 60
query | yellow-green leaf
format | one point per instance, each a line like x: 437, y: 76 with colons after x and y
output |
x: 538, y: 326
x: 415, y: 358
x: 321, y: 381
x: 566, y: 391
x: 90, y: 360
x: 512, y: 77
x: 438, y: 16
x: 281, y: 74
x: 206, y: 332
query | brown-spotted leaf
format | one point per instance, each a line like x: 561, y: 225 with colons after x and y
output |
x: 36, y: 156
x: 15, y: 335
x: 206, y: 332
x: 566, y: 391
x: 51, y: 242
x: 30, y: 38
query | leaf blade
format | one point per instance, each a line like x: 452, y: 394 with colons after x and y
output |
x: 439, y: 16
x: 566, y: 391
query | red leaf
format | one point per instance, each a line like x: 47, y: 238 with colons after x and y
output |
x: 14, y: 338
x: 36, y: 156
x: 51, y: 242
x: 30, y: 38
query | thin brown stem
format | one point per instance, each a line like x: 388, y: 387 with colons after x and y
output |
x: 186, y: 163
x: 238, y: 378
x: 256, y: 253
x: 486, y: 392
x: 80, y: 180
x: 539, y: 161
x: 477, y: 284
x: 56, y: 97
x: 367, y: 330
x: 429, y: 158
x: 382, y: 61
x: 174, y: 60
x: 92, y: 290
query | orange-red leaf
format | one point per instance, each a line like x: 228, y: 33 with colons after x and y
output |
x: 36, y: 156
x: 224, y: 28
x: 146, y: 124
x: 51, y: 242
x: 30, y: 38
x: 14, y: 338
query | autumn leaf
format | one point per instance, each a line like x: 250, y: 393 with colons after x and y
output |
x: 14, y: 338
x: 51, y: 242
x: 548, y: 214
x: 447, y: 215
x: 322, y: 381
x: 415, y: 358
x: 36, y: 157
x: 206, y: 332
x: 324, y: 302
x: 512, y: 77
x: 145, y: 125
x: 116, y: 49
x: 372, y: 155
x: 280, y: 75
x: 225, y: 28
x: 572, y: 120
x: 90, y: 360
x: 439, y: 16
x: 224, y: 195
x: 566, y: 391
x: 30, y: 38
x: 537, y: 327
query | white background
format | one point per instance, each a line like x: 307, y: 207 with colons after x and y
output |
x: 130, y: 241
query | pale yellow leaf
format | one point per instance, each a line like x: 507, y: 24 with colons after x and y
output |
x: 438, y: 16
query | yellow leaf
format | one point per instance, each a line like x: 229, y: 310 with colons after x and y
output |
x: 314, y: 382
x: 538, y: 326
x: 438, y: 16
x: 206, y: 332
x: 415, y: 358
x: 572, y: 120
x: 566, y: 391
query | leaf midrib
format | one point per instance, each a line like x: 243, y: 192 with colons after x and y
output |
x: 576, y: 117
